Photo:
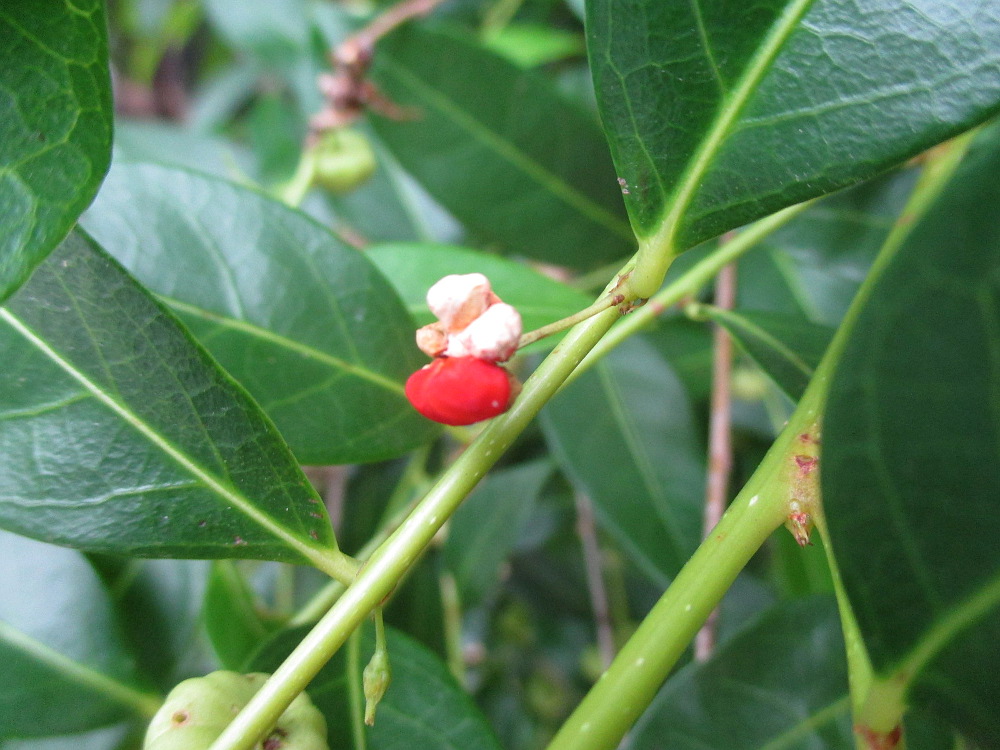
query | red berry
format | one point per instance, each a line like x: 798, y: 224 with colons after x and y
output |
x: 459, y: 390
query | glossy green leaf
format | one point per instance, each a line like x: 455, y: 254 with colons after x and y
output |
x: 812, y: 267
x: 780, y: 684
x: 786, y: 348
x: 424, y: 707
x: 718, y: 114
x: 412, y: 268
x: 55, y: 125
x: 121, y: 435
x: 501, y: 150
x: 489, y: 524
x: 625, y: 433
x: 233, y: 623
x: 305, y: 323
x: 66, y: 666
x: 911, y: 479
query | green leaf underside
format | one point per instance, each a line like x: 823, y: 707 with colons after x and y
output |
x: 489, y: 524
x: 786, y: 348
x: 61, y: 673
x: 812, y: 267
x: 780, y: 684
x: 719, y: 115
x: 55, y: 126
x: 911, y: 476
x: 121, y: 435
x: 501, y: 150
x: 624, y: 432
x: 306, y: 324
x: 423, y: 708
x: 413, y: 267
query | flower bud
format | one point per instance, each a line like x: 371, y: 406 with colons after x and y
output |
x: 493, y: 335
x: 458, y: 299
x: 375, y: 681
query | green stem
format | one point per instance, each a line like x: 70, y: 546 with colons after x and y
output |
x: 559, y: 326
x: 294, y: 191
x: 688, y: 284
x: 452, y: 625
x: 859, y: 666
x: 390, y: 562
x: 355, y: 697
x: 403, y: 499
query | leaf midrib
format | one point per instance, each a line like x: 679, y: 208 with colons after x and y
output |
x: 315, y: 555
x: 666, y: 234
x: 751, y: 328
x: 76, y: 672
x: 282, y: 341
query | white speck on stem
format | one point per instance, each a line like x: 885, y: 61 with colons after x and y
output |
x: 687, y: 607
x: 585, y: 727
x: 640, y: 661
x: 432, y: 520
x: 753, y: 501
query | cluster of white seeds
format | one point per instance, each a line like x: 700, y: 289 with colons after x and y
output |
x: 472, y: 320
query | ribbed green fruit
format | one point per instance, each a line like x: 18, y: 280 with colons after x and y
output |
x: 198, y: 710
x: 344, y: 160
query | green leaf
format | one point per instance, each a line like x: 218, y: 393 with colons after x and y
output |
x: 164, y: 143
x: 780, y: 684
x: 489, y: 523
x: 305, y: 323
x: 786, y: 348
x: 159, y: 605
x: 233, y: 623
x: 501, y: 150
x: 389, y: 207
x: 424, y: 707
x: 624, y: 433
x: 55, y: 126
x: 718, y: 114
x: 412, y: 268
x: 911, y: 439
x: 66, y: 666
x: 121, y: 435
x: 812, y: 267
x: 533, y: 44
x: 106, y: 738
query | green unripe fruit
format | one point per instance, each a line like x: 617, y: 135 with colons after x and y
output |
x: 198, y: 710
x: 343, y: 160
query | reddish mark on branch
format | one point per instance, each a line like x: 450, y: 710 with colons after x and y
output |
x: 880, y: 740
x: 806, y: 464
x: 239, y: 541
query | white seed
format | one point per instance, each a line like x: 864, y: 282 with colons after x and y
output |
x: 492, y: 336
x: 458, y: 299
